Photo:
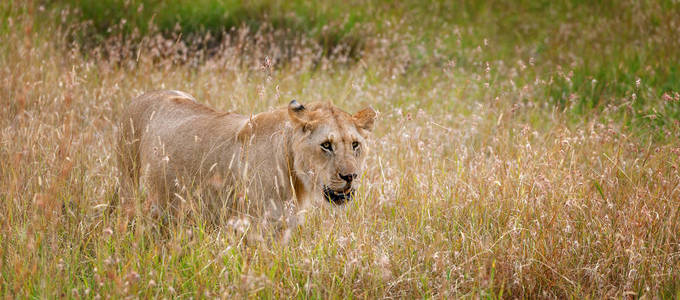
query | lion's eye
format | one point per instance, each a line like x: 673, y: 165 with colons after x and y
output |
x: 327, y: 146
x: 355, y: 145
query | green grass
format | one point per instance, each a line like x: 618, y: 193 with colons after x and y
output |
x: 522, y: 166
x: 327, y: 25
x: 594, y: 53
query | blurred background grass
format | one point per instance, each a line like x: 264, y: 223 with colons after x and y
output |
x: 591, y: 53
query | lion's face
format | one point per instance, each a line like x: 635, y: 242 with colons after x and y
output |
x: 329, y: 148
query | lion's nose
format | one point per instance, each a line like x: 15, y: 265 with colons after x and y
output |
x: 348, y: 177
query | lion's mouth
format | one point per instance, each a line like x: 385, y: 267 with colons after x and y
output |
x: 337, y: 198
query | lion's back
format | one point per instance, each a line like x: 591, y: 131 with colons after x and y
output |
x: 168, y: 132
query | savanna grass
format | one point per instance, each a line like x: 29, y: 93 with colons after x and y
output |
x: 205, y: 23
x: 484, y: 181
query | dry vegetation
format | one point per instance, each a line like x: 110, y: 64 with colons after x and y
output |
x: 478, y: 187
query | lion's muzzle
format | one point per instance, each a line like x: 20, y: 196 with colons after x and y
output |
x: 338, y: 198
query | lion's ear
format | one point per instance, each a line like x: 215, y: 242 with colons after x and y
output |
x: 297, y: 112
x: 299, y: 115
x: 365, y: 118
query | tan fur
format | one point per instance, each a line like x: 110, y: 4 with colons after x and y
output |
x: 178, y: 146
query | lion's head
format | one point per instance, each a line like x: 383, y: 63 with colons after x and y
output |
x: 329, y: 147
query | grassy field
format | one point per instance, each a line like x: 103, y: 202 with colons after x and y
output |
x: 523, y: 149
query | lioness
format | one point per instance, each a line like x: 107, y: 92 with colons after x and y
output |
x: 299, y: 153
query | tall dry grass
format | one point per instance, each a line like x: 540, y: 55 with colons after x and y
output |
x: 472, y: 191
